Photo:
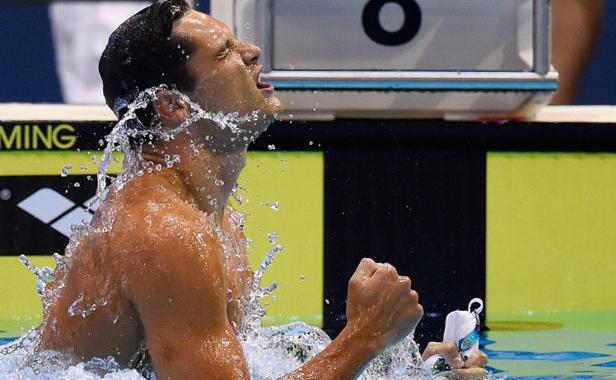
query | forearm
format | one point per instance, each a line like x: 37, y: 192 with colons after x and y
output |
x: 343, y: 359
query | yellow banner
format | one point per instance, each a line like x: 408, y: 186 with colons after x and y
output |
x: 550, y: 236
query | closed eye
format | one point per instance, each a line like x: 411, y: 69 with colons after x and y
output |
x: 222, y: 52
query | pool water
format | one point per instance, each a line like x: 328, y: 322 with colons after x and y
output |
x: 556, y: 345
x: 527, y: 350
x: 567, y: 354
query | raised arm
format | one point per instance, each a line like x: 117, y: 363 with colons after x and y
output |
x: 179, y: 290
x: 381, y: 309
x: 177, y: 285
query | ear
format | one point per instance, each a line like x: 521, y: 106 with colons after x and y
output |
x: 170, y: 108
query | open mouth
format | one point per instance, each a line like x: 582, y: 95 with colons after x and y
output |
x: 266, y: 87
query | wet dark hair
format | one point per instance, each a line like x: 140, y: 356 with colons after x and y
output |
x: 142, y: 53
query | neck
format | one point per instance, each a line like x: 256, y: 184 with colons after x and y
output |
x: 208, y: 175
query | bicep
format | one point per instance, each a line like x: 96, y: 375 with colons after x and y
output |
x: 179, y: 291
x: 182, y: 352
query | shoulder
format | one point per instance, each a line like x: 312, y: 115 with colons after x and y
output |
x: 173, y: 254
x: 155, y: 228
x: 149, y: 209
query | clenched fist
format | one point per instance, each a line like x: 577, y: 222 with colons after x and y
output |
x: 382, y: 303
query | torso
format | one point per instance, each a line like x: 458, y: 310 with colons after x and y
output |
x: 103, y: 260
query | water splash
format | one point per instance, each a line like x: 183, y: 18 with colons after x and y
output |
x: 80, y: 307
x: 275, y: 205
x: 21, y: 360
x: 129, y: 127
x: 400, y: 361
x: 253, y: 310
x: 278, y: 350
x: 270, y: 352
x: 66, y: 170
x: 272, y: 237
x: 44, y: 275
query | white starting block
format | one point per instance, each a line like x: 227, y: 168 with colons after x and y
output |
x: 400, y: 58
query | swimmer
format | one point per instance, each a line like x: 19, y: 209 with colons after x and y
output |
x: 173, y: 267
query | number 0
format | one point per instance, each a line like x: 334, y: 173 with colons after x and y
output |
x: 374, y: 29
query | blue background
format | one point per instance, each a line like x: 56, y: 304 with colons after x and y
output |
x: 28, y: 73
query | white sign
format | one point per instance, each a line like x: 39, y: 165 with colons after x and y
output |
x: 401, y: 57
x: 402, y: 35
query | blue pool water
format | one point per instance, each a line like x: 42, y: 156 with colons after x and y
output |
x: 552, y: 354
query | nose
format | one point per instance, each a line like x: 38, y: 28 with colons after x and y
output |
x: 250, y: 54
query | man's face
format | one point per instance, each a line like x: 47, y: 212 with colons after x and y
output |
x: 226, y: 71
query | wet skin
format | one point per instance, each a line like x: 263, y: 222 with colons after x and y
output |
x: 173, y: 267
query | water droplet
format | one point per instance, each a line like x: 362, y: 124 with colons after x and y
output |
x: 271, y: 147
x: 219, y: 182
x: 66, y: 170
x: 57, y: 257
x: 76, y: 184
x: 272, y: 237
x: 5, y: 194
x: 275, y: 206
x: 326, y: 301
x: 302, y: 277
x: 101, y: 142
x: 159, y: 167
x: 247, y: 26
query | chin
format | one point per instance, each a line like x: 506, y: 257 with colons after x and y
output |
x: 272, y: 105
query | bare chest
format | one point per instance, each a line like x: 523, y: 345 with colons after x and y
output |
x: 238, y: 274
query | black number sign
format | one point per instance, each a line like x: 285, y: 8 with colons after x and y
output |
x: 374, y: 29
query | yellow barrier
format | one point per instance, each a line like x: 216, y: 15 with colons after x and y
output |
x: 550, y: 238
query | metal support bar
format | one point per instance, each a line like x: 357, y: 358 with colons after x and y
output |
x: 413, y: 80
x: 263, y: 23
x: 542, y: 36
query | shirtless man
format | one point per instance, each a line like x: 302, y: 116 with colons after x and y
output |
x: 175, y: 249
